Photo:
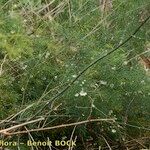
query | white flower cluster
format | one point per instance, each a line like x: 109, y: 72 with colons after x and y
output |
x: 81, y: 93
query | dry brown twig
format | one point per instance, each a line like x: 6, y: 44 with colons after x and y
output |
x: 71, y: 137
x: 7, y: 130
x: 8, y: 133
x: 107, y: 143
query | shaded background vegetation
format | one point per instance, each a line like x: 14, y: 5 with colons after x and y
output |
x: 44, y: 44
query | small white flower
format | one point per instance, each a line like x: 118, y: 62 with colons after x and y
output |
x: 76, y: 95
x: 14, y: 6
x: 123, y: 83
x: 113, y: 68
x: 103, y: 82
x: 125, y: 62
x: 82, y: 82
x: 74, y: 76
x: 25, y: 20
x: 83, y: 93
x: 22, y: 89
x: 12, y: 32
x: 113, y: 131
x: 96, y: 84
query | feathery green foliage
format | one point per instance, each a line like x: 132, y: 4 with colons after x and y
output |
x: 45, y: 44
